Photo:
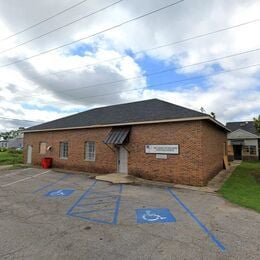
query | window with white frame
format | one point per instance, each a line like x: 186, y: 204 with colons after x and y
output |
x: 64, y: 150
x: 252, y: 150
x: 43, y: 148
x: 90, y: 151
x: 246, y: 150
x: 249, y: 150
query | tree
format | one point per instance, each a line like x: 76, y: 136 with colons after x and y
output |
x: 11, y: 134
x: 257, y: 123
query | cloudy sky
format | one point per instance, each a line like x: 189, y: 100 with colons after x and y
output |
x: 174, y: 54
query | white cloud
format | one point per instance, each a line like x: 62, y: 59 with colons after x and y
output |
x: 231, y: 96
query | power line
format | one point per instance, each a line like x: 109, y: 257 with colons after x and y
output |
x: 92, y: 35
x: 157, y: 72
x: 16, y: 119
x: 171, y: 82
x: 63, y: 26
x: 156, y: 48
x: 44, y: 20
x: 154, y: 85
x: 159, y: 84
x: 167, y: 70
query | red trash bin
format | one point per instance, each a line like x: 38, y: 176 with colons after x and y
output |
x: 46, y: 162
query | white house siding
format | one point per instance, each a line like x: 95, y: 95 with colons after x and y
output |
x: 246, y: 139
x: 252, y: 143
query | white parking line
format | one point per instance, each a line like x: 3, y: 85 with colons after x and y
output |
x: 24, y: 179
x: 13, y: 173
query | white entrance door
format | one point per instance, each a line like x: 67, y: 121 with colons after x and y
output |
x: 29, y: 154
x: 122, y: 160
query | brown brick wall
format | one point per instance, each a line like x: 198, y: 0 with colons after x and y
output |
x: 105, y: 159
x: 249, y: 158
x: 213, y: 142
x: 184, y: 168
x: 201, y: 151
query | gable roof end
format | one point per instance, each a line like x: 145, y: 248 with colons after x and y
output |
x: 243, y: 125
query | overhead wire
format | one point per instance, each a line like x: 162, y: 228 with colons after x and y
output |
x: 170, y: 82
x: 166, y: 70
x: 156, y: 47
x: 151, y: 49
x: 94, y: 34
x: 44, y: 20
x: 17, y: 119
x: 61, y: 27
x: 155, y: 72
x: 155, y: 85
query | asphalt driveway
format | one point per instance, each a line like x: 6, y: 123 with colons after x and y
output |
x: 50, y: 215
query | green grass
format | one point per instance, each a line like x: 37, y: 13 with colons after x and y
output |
x: 11, y: 157
x: 243, y: 186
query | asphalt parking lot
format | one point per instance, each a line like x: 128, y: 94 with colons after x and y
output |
x: 54, y: 215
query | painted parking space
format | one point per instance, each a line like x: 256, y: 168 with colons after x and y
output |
x: 12, y: 182
x: 197, y: 221
x: 51, y: 183
x: 8, y: 173
x: 165, y: 211
x: 9, y: 176
x: 99, y: 203
x: 144, y: 219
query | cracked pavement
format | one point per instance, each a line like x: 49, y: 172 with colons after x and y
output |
x: 34, y: 226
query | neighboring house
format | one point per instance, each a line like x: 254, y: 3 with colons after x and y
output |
x: 151, y: 139
x: 243, y: 141
x: 16, y: 142
x: 3, y: 144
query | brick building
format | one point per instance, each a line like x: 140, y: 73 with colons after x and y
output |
x: 243, y: 141
x: 151, y: 139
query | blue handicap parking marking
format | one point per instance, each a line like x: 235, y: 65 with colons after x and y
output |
x: 99, y: 203
x: 59, y: 193
x: 154, y: 215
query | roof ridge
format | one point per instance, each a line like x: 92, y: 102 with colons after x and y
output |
x: 232, y: 122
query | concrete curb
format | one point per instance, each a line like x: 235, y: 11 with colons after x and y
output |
x: 5, y: 167
x: 210, y: 188
x: 13, y: 167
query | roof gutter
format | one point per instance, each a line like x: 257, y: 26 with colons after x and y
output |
x: 132, y: 123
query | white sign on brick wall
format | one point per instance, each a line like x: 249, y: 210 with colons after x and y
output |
x: 161, y: 156
x: 162, y: 149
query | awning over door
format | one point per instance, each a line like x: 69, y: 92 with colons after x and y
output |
x: 118, y: 135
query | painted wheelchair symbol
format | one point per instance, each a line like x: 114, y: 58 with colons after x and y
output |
x: 57, y: 193
x: 154, y: 215
x: 148, y: 216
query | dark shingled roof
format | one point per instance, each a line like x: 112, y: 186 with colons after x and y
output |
x: 142, y: 111
x: 244, y: 125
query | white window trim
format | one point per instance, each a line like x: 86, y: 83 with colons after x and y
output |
x: 86, y: 150
x: 61, y: 157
